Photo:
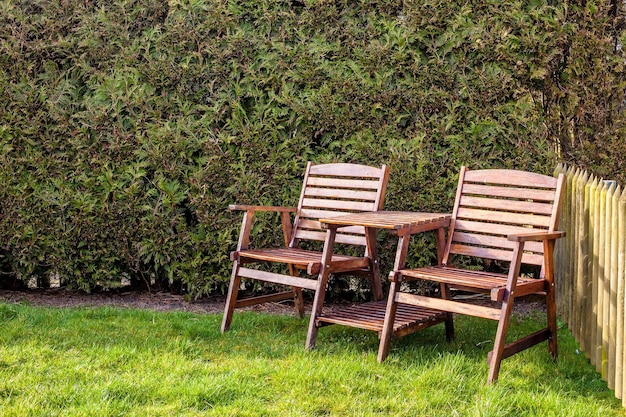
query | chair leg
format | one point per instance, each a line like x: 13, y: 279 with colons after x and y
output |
x: 320, y: 293
x: 297, y: 294
x: 445, y: 294
x: 449, y: 323
x: 390, y: 316
x: 392, y: 305
x: 316, y: 310
x: 552, y: 326
x: 231, y: 298
x: 298, y: 301
x: 498, y: 347
x: 548, y: 250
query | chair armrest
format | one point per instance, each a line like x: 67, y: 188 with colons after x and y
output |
x: 245, y: 207
x: 525, y: 237
x: 248, y: 218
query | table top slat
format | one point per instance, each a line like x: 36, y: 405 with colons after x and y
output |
x: 392, y: 220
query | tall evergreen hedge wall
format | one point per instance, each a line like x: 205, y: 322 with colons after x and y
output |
x: 128, y: 126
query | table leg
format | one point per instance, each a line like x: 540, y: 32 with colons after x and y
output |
x: 377, y: 286
x: 445, y: 290
x: 440, y: 238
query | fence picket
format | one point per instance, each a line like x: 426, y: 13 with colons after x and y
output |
x: 580, y: 239
x: 603, y: 298
x: 618, y: 260
x: 592, y: 314
x: 570, y: 249
x: 599, y: 255
x: 588, y: 335
x: 611, y: 277
x: 621, y: 317
x: 562, y: 253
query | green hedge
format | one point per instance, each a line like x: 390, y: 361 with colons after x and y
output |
x: 128, y: 126
x: 584, y: 101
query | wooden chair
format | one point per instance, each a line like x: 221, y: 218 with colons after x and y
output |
x: 328, y: 190
x: 506, y: 216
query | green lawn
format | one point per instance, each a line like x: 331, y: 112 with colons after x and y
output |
x: 114, y: 362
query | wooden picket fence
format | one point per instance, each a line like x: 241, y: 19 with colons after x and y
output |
x: 591, y: 271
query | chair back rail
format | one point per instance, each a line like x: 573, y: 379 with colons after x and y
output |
x: 330, y: 190
x: 492, y: 204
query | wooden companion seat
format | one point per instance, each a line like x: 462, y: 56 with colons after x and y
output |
x: 507, y: 216
x: 328, y: 190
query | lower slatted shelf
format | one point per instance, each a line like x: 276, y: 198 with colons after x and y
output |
x: 370, y: 316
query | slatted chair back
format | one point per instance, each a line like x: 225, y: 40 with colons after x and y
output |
x: 491, y: 204
x: 330, y: 190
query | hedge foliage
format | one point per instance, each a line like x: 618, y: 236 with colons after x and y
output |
x: 128, y: 126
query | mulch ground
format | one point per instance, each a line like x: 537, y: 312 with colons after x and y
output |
x: 61, y: 297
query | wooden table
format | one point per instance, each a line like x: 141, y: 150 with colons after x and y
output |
x: 370, y: 316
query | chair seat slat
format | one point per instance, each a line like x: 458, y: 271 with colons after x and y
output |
x: 465, y: 278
